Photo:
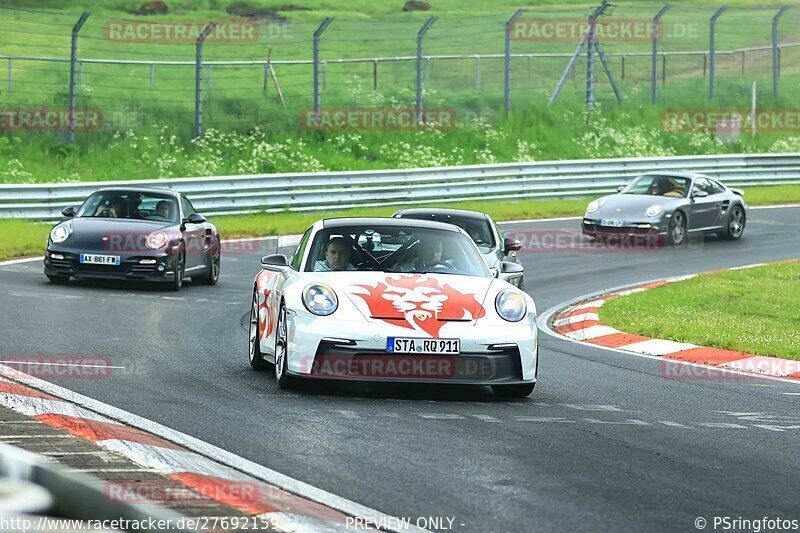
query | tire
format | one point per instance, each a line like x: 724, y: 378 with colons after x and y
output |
x: 180, y: 270
x: 257, y: 361
x: 57, y: 280
x: 736, y: 224
x: 677, y: 229
x: 514, y: 391
x: 282, y: 377
x: 212, y: 276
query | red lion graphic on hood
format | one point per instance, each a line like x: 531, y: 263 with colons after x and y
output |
x: 419, y: 302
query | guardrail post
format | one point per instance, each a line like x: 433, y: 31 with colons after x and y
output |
x: 152, y: 75
x: 776, y: 57
x: 654, y: 59
x: 9, y: 74
x: 375, y: 75
x: 477, y: 72
x: 73, y: 59
x: 420, y: 37
x: 712, y: 24
x: 507, y: 61
x: 198, y: 79
x: 315, y: 50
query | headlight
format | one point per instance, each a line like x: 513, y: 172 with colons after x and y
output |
x: 593, y: 206
x: 156, y: 240
x: 320, y: 299
x: 510, y: 305
x: 61, y: 232
x: 654, y: 210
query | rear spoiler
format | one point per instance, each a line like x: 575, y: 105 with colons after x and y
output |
x: 740, y: 192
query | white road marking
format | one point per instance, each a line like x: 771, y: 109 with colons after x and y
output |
x: 20, y: 261
x: 791, y: 393
x: 574, y: 319
x: 591, y: 332
x: 43, y: 296
x: 673, y: 424
x: 617, y: 422
x: 722, y: 425
x: 440, y: 416
x: 593, y: 407
x: 553, y: 419
x: 755, y: 265
x: 486, y: 418
x: 658, y: 347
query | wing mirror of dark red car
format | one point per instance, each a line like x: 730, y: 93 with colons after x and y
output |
x: 511, y: 245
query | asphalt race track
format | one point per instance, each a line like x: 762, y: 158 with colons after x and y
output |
x: 605, y: 442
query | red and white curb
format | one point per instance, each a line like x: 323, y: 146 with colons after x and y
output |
x: 287, y: 504
x: 580, y: 322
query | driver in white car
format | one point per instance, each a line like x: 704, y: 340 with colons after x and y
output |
x: 429, y: 254
x: 337, y: 256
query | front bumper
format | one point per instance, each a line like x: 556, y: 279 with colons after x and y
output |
x: 592, y: 228
x: 142, y: 266
x: 489, y: 355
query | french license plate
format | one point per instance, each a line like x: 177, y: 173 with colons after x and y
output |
x: 94, y: 259
x: 612, y: 223
x: 423, y: 346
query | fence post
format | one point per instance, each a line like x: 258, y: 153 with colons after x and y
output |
x: 73, y: 59
x: 507, y: 62
x: 9, y: 74
x: 152, y: 76
x: 420, y: 37
x: 711, y: 44
x: 317, y: 35
x: 654, y: 62
x: 198, y: 79
x: 375, y: 75
x: 477, y: 72
x: 776, y: 58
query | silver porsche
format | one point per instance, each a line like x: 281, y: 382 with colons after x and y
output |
x: 672, y: 205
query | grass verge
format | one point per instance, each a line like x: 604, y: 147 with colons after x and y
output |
x: 754, y: 310
x: 26, y: 238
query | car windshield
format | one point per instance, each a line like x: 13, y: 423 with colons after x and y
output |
x: 477, y: 228
x: 131, y: 205
x: 402, y: 249
x: 673, y: 186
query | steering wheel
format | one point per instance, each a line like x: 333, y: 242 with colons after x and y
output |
x: 438, y: 264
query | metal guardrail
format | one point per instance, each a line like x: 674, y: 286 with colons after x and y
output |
x: 338, y: 190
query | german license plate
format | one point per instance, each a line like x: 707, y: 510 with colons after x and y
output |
x: 402, y: 345
x: 612, y: 223
x: 94, y: 259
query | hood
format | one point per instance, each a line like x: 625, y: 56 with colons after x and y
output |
x: 632, y: 205
x: 122, y: 235
x: 419, y: 302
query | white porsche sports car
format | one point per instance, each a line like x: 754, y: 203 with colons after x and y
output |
x: 392, y: 300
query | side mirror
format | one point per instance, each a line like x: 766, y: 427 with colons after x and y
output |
x: 69, y: 212
x: 699, y: 194
x: 276, y: 263
x: 194, y: 218
x: 621, y: 188
x: 511, y: 245
x: 507, y: 267
x: 494, y: 272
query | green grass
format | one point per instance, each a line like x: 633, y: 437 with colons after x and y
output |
x: 27, y: 238
x: 22, y: 238
x: 754, y: 311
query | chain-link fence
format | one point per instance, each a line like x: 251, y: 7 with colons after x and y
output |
x: 261, y: 69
